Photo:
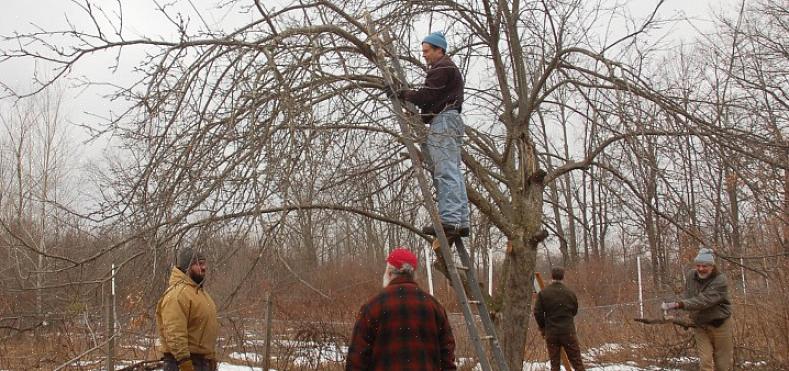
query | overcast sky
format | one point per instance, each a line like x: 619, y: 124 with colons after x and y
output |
x: 141, y: 18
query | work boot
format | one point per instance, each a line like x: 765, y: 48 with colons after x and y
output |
x: 449, y: 229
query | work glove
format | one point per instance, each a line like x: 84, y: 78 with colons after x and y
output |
x: 186, y: 365
x: 671, y: 305
x: 390, y: 91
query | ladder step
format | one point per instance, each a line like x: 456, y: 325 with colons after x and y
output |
x: 486, y: 337
x: 474, y: 302
x: 461, y: 267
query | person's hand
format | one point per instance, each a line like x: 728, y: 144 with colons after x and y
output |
x: 669, y: 306
x: 186, y: 365
x: 390, y: 91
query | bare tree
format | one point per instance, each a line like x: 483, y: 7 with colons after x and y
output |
x: 225, y: 123
x: 41, y: 159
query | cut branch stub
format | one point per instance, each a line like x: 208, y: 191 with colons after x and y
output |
x: 670, y: 320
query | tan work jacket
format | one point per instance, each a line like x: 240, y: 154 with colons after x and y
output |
x: 186, y: 318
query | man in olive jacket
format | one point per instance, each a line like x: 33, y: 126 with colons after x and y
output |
x: 707, y: 299
x: 186, y: 317
x: 554, y: 310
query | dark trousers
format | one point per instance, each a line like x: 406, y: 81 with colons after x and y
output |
x: 200, y: 363
x: 569, y: 342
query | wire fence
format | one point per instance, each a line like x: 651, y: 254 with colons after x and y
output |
x: 79, y: 339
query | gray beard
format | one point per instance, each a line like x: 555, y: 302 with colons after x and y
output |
x: 386, y: 279
x: 704, y: 276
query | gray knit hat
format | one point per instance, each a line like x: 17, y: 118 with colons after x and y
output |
x: 705, y: 256
x: 187, y: 256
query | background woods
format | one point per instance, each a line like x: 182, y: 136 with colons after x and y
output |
x: 267, y: 139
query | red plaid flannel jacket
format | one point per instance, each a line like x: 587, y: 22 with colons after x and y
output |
x: 402, y: 328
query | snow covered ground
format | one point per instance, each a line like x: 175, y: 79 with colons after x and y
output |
x: 312, y: 355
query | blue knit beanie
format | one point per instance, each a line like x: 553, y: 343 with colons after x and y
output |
x: 436, y: 39
x: 705, y: 256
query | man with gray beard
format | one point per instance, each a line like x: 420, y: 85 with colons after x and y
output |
x: 403, y: 327
x: 707, y: 299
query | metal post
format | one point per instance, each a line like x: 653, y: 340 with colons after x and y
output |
x: 267, y: 346
x: 490, y: 272
x: 742, y: 273
x: 640, y: 288
x: 111, y: 323
x: 114, y: 301
x: 429, y: 269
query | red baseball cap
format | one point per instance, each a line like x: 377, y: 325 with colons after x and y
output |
x: 400, y: 256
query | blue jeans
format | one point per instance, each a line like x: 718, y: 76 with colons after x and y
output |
x: 441, y: 152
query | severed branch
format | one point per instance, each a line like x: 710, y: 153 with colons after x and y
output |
x: 298, y: 277
x: 20, y: 329
x: 657, y: 321
x: 154, y: 364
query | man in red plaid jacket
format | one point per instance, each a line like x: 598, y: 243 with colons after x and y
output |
x: 403, y: 327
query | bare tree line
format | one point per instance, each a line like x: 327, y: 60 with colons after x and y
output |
x: 278, y: 132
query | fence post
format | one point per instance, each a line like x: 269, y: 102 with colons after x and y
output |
x: 111, y: 323
x: 429, y: 269
x: 640, y: 288
x: 744, y: 290
x: 490, y: 271
x: 267, y: 346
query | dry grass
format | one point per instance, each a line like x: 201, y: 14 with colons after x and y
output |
x: 304, y: 317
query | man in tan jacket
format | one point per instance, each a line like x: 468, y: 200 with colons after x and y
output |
x: 186, y: 317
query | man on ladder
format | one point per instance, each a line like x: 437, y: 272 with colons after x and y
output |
x: 441, y: 101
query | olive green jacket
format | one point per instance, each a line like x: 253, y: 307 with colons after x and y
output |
x: 706, y: 299
x: 555, y: 308
x: 186, y: 318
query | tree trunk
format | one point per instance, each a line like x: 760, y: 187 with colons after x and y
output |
x: 309, y: 254
x: 522, y: 258
x: 572, y: 242
x: 785, y: 217
x: 731, y: 191
x: 516, y: 306
x: 595, y: 219
x: 557, y: 217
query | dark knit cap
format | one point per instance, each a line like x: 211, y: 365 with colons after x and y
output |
x: 187, y: 256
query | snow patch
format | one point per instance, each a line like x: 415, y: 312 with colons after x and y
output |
x: 246, y: 356
x: 592, y: 353
x: 231, y: 367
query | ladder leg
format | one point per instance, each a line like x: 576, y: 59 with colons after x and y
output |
x: 460, y: 292
x: 476, y: 292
